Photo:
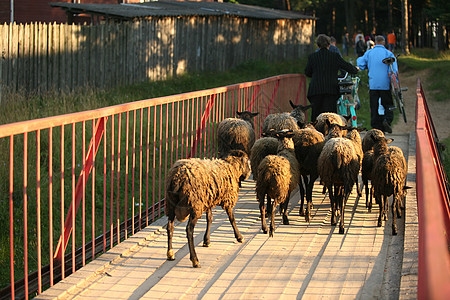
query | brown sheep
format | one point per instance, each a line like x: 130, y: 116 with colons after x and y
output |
x: 388, y: 178
x: 194, y: 186
x: 278, y: 176
x: 236, y: 133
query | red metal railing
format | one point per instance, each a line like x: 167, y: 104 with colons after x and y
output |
x: 110, y: 162
x: 433, y: 207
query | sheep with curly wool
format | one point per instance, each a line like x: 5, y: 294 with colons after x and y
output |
x: 388, y: 178
x: 266, y: 145
x: 236, y: 133
x: 367, y: 163
x: 338, y: 167
x: 367, y: 141
x: 278, y: 176
x: 294, y: 120
x: 332, y: 118
x: 308, y: 143
x: 194, y: 186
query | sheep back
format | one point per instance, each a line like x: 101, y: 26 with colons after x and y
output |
x: 235, y: 134
x: 195, y: 185
x: 261, y: 148
x: 279, y: 121
x: 308, y: 146
x: 389, y: 172
x: 338, y: 163
x: 367, y: 165
x: 275, y: 177
x: 333, y: 118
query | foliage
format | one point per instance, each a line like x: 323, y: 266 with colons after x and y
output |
x: 439, y: 10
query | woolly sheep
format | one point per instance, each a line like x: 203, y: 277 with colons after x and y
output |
x: 367, y: 141
x: 338, y: 167
x: 278, y: 176
x: 333, y: 118
x: 236, y: 133
x: 194, y: 186
x: 388, y: 178
x: 367, y: 163
x: 294, y: 120
x: 308, y: 146
x: 262, y: 147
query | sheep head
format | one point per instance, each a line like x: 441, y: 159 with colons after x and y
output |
x: 247, y: 116
x: 299, y: 113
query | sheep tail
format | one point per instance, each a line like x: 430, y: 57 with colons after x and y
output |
x: 181, y: 206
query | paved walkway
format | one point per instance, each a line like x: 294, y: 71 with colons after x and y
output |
x: 302, y: 260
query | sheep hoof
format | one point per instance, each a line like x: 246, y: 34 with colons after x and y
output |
x: 341, y: 230
x: 206, y: 244
x: 285, y: 220
x: 301, y: 212
x: 170, y: 255
x: 196, y: 264
x: 394, y: 230
x: 379, y: 224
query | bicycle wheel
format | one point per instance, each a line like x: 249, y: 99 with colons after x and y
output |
x: 401, y: 105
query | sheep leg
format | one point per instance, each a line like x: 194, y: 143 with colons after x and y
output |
x: 333, y: 204
x: 285, y: 205
x: 343, y: 199
x: 301, y: 211
x: 386, y: 207
x: 207, y: 236
x: 370, y: 197
x: 190, y: 236
x: 232, y: 220
x: 398, y: 201
x: 272, y: 218
x: 170, y: 226
x: 379, y: 200
x: 366, y: 188
x: 262, y: 211
x: 309, y: 190
x: 394, y: 219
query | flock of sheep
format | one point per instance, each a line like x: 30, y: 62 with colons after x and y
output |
x: 290, y: 153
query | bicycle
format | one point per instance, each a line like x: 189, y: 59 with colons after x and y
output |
x: 396, y: 90
x: 348, y: 101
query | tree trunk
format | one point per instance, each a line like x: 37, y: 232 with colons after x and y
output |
x: 405, y: 39
x: 374, y: 21
x: 390, y: 15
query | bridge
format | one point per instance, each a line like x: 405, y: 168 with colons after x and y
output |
x: 302, y: 260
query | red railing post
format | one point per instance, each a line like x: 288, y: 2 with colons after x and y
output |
x: 100, y: 127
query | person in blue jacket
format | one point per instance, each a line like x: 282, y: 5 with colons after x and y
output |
x: 379, y: 84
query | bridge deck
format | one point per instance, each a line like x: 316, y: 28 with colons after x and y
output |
x: 301, y: 261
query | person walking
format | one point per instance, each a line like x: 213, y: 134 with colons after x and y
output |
x: 345, y: 43
x: 360, y: 46
x: 322, y: 67
x: 379, y: 84
x: 391, y: 39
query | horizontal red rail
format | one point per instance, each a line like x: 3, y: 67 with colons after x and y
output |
x: 433, y: 208
x: 110, y: 164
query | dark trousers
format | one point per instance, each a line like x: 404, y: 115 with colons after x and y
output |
x: 322, y: 103
x: 376, y: 120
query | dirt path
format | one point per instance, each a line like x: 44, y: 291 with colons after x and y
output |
x: 439, y: 110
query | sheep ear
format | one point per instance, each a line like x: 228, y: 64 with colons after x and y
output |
x: 305, y: 108
x: 238, y: 113
x: 388, y: 141
x: 292, y: 104
x: 407, y: 187
x: 347, y: 117
x: 255, y: 114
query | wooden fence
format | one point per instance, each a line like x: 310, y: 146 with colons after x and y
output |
x: 59, y: 57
